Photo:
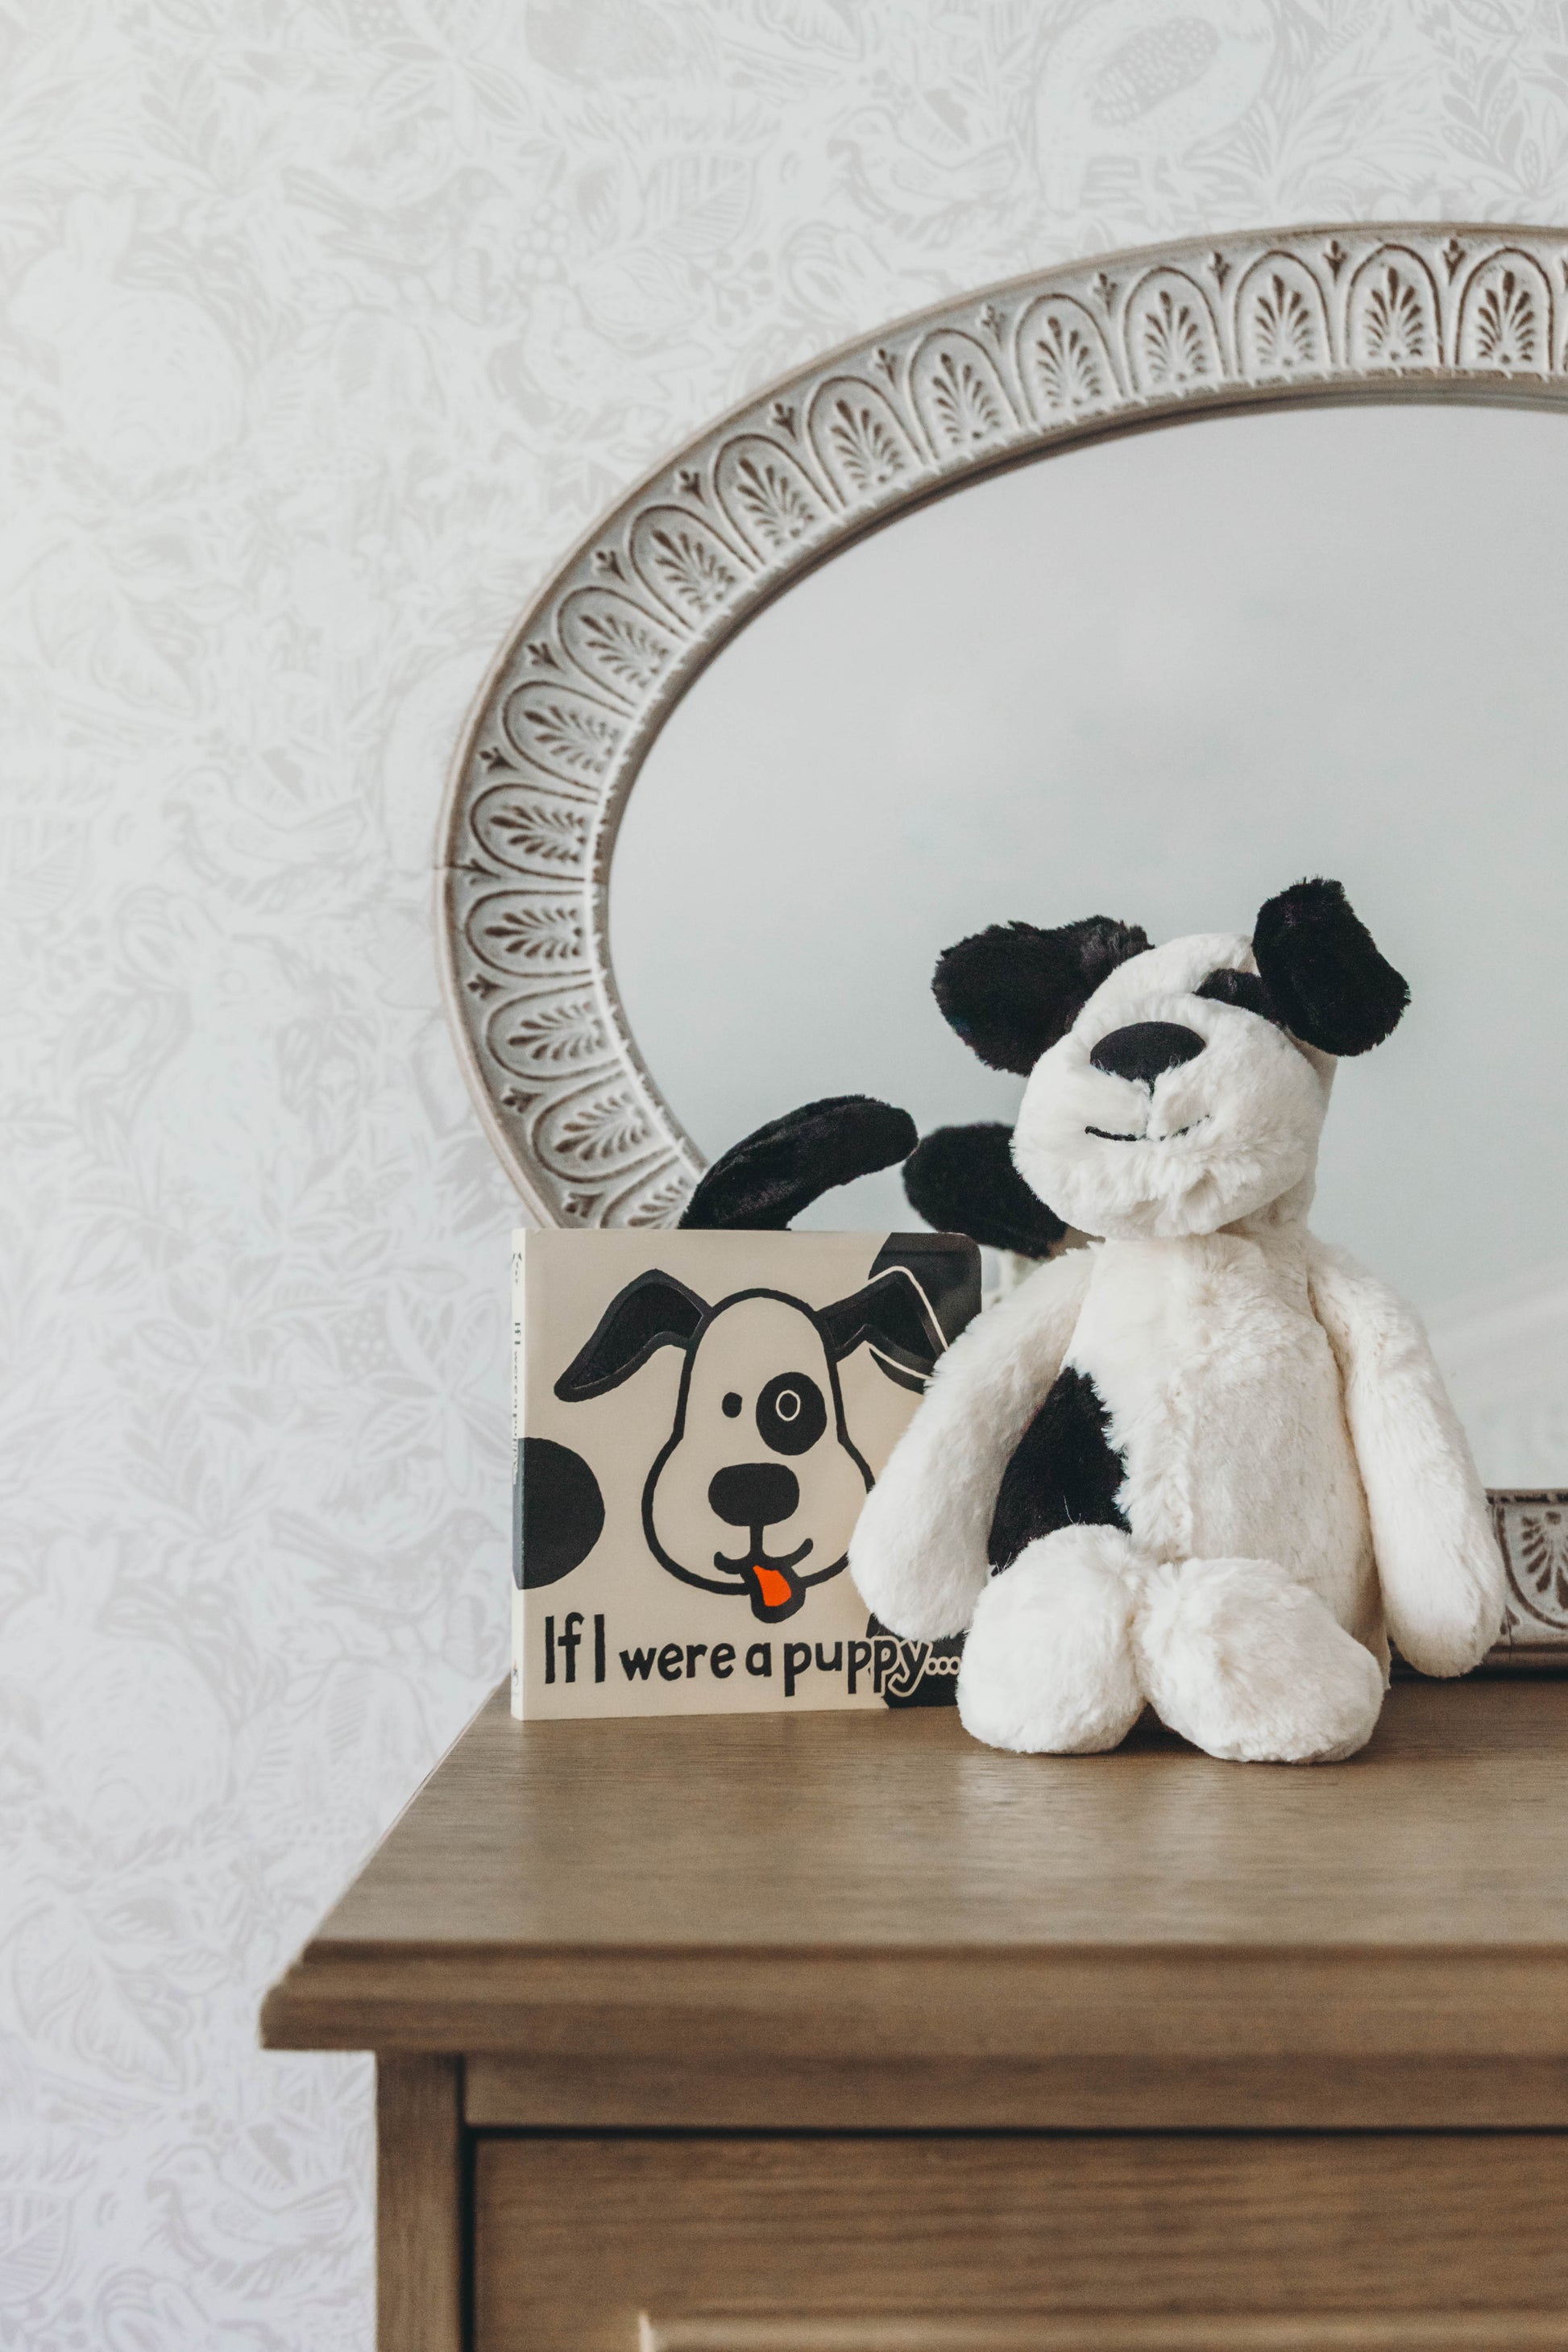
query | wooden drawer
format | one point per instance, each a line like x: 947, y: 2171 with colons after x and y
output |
x: 1229, y: 2243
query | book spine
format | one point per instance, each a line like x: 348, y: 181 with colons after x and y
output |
x: 518, y: 1366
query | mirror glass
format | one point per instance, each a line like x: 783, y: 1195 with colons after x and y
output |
x: 1159, y: 679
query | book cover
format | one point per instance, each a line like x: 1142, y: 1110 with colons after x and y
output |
x: 698, y: 1417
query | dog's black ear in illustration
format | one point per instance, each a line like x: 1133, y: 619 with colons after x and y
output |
x: 890, y: 1314
x: 961, y: 1179
x: 772, y: 1175
x: 1323, y: 973
x: 654, y: 1311
x: 1012, y: 991
x: 948, y: 1279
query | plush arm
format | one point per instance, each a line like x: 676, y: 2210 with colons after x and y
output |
x: 1437, y: 1558
x: 918, y: 1552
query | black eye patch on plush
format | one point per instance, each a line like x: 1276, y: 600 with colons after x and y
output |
x: 1013, y: 991
x: 1323, y: 970
x: 1241, y: 988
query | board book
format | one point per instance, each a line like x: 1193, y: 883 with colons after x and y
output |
x: 698, y: 1417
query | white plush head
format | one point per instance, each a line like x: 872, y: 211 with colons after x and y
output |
x: 1175, y: 1089
x: 1166, y: 1111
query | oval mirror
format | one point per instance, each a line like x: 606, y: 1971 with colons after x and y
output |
x: 1160, y: 681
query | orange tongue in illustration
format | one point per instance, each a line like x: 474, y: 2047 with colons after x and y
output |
x: 774, y: 1586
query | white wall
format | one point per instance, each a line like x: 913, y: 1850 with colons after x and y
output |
x: 326, y: 329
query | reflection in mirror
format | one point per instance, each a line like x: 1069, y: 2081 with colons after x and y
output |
x: 1160, y: 680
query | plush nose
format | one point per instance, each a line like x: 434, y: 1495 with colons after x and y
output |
x: 1145, y: 1050
x: 754, y: 1494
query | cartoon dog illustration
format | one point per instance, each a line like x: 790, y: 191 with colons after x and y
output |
x: 760, y: 1482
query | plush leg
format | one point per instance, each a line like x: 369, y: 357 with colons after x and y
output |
x: 1047, y: 1663
x: 1248, y: 1666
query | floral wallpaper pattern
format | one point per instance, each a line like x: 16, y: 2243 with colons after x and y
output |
x: 325, y: 325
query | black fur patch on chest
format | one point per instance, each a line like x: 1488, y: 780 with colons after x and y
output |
x: 1064, y: 1473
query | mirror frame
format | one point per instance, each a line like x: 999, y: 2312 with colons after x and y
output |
x: 996, y: 379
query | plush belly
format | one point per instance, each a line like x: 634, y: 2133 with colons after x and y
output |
x: 1206, y: 1383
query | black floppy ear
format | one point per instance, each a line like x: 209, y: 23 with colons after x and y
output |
x: 772, y: 1175
x: 654, y: 1311
x: 1322, y: 967
x: 891, y: 1314
x: 947, y: 1278
x: 961, y: 1179
x: 1012, y: 991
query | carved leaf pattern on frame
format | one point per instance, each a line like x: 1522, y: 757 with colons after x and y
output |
x: 514, y: 933
x: 858, y: 439
x: 866, y: 449
x: 958, y: 393
x: 1281, y: 329
x: 1394, y: 326
x: 614, y: 641
x: 1505, y: 320
x: 572, y: 737
x: 1171, y: 336
x: 766, y: 495
x: 548, y: 1036
x: 1535, y: 1547
x: 659, y: 1203
x: 532, y: 832
x: 1393, y: 313
x: 1063, y: 360
x: 1173, y: 344
x: 684, y: 563
x: 595, y: 1133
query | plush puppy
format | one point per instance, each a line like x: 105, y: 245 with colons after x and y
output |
x: 1206, y: 1464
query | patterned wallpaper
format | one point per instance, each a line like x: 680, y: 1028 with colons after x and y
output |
x: 327, y: 325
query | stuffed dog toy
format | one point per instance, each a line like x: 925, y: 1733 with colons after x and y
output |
x: 1207, y: 1463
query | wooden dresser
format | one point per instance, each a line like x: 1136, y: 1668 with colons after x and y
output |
x: 839, y: 2033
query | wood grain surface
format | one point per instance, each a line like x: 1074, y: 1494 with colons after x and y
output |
x: 577, y: 2238
x: 1107, y: 2092
x: 1040, y: 2331
x: 419, y: 2219
x: 865, y: 1831
x: 988, y: 1938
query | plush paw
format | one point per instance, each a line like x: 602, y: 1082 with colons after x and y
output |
x: 1250, y: 1666
x: 1048, y: 1665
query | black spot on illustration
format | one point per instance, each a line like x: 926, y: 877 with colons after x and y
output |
x: 791, y: 1414
x: 1064, y: 1472
x: 558, y: 1512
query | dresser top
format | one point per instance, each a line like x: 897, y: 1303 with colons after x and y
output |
x: 861, y: 1831
x: 695, y: 1852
